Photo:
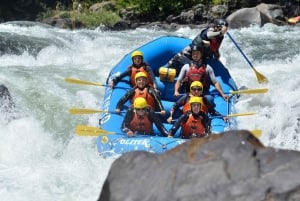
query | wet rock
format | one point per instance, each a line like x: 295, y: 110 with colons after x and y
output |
x: 232, y: 166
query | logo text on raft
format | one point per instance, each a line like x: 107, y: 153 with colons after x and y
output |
x: 143, y: 142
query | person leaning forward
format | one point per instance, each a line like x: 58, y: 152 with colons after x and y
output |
x: 140, y: 119
x: 210, y: 38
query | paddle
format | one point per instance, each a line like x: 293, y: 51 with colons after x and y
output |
x: 244, y: 91
x: 240, y: 114
x: 256, y: 133
x: 250, y: 91
x: 90, y: 131
x: 89, y: 111
x: 92, y: 111
x: 83, y: 82
x: 83, y: 130
x: 260, y: 77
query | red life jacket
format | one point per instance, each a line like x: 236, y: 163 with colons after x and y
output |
x: 135, y: 70
x: 141, y: 124
x: 144, y: 94
x: 197, y: 74
x: 214, y: 44
x: 193, y: 126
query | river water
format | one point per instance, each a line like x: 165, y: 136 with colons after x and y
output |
x: 41, y: 158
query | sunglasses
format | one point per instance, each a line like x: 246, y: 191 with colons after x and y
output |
x: 139, y: 109
x: 196, y: 89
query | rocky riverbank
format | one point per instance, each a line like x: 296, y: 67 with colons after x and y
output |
x: 276, y: 12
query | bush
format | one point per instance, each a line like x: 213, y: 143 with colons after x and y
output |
x: 94, y: 20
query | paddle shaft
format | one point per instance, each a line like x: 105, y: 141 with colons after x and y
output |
x: 90, y: 131
x: 93, y: 111
x: 237, y: 46
x: 260, y: 77
x: 83, y: 82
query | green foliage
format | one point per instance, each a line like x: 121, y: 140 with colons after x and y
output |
x: 43, y: 15
x: 160, y: 9
x: 94, y: 20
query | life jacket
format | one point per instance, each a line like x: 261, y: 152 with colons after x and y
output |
x: 214, y: 43
x: 144, y: 94
x: 197, y: 73
x: 193, y: 125
x: 135, y: 70
x: 187, y: 107
x: 141, y: 124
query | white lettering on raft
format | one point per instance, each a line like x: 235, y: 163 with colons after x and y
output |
x: 143, y: 142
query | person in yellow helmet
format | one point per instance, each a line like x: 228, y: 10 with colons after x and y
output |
x: 195, y: 123
x: 142, y: 89
x: 140, y: 119
x: 138, y: 65
x: 196, y: 89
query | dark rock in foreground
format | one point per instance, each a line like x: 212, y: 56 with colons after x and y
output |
x: 230, y: 167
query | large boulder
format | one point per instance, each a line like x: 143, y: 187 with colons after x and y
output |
x: 259, y: 15
x: 232, y: 166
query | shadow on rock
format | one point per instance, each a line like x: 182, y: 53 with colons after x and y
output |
x: 230, y: 166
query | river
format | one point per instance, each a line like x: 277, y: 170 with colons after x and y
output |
x: 41, y: 158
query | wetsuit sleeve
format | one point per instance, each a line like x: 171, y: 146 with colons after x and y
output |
x: 180, y: 102
x: 210, y: 107
x: 206, y: 122
x: 155, y: 118
x: 121, y: 76
x: 152, y: 76
x: 125, y: 98
x: 182, y: 119
x: 156, y: 98
x: 127, y: 119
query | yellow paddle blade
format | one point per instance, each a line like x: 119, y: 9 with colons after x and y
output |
x: 85, y: 111
x: 250, y: 91
x: 90, y: 131
x: 241, y: 114
x: 260, y: 77
x: 77, y: 81
x: 256, y: 133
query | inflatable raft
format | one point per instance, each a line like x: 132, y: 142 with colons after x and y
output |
x: 157, y: 53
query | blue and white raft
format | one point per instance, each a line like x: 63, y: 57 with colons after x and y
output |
x: 157, y: 53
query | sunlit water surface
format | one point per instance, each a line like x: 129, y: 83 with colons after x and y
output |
x: 41, y: 158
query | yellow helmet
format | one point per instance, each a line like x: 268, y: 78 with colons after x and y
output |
x: 196, y: 84
x: 140, y: 74
x: 139, y: 103
x: 196, y: 99
x: 136, y: 53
